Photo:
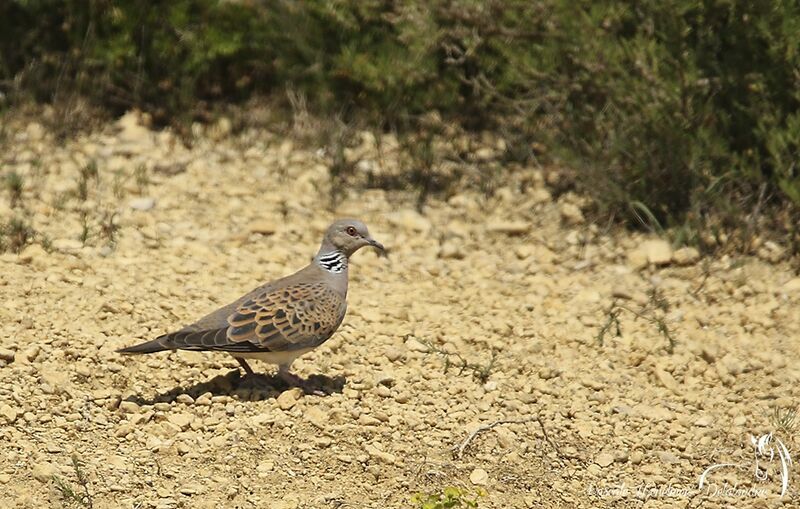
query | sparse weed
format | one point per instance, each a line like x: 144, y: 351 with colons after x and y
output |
x: 14, y: 184
x: 86, y: 229
x: 60, y: 200
x: 46, y: 242
x: 118, y: 184
x: 87, y: 173
x: 447, y: 498
x: 706, y: 267
x: 784, y: 420
x: 654, y: 312
x: 142, y: 178
x: 109, y: 229
x: 82, y: 497
x: 481, y: 372
x: 15, y: 235
x: 340, y: 168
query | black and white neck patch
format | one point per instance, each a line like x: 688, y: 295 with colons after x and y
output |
x: 334, y: 261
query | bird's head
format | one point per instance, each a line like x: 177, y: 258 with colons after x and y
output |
x: 350, y: 235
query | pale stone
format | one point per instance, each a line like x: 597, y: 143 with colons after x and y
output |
x: 409, y: 220
x: 128, y: 407
x: 479, y: 477
x: 262, y: 227
x: 182, y: 420
x: 792, y: 286
x: 144, y: 203
x: 571, y: 214
x: 658, y: 251
x: 8, y: 413
x: 686, y: 256
x: 287, y: 399
x: 7, y: 355
x: 509, y: 227
x: 604, y: 459
x: 43, y: 472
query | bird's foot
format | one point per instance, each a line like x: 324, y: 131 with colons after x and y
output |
x: 293, y: 380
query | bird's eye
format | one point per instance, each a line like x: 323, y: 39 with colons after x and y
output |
x: 351, y: 231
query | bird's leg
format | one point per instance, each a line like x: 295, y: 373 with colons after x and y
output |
x: 289, y: 377
x: 246, y: 367
x: 295, y: 381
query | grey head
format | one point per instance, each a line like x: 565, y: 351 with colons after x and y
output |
x: 343, y: 238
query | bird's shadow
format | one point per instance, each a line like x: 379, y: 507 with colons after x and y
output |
x: 255, y: 387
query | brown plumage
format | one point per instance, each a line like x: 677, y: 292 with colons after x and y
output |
x: 281, y: 320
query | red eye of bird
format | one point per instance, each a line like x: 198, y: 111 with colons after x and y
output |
x: 351, y: 231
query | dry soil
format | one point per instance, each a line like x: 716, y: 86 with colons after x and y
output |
x: 485, y: 318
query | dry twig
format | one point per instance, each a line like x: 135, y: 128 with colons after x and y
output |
x: 458, y: 450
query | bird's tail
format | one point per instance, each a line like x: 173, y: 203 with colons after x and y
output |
x: 146, y: 347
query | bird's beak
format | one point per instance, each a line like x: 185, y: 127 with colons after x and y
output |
x: 377, y: 245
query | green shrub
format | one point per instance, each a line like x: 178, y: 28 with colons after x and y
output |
x: 686, y: 107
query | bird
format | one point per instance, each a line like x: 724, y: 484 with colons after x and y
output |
x: 281, y: 320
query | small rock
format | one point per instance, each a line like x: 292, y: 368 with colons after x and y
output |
x: 653, y: 413
x: 67, y: 245
x: 182, y: 420
x: 316, y: 417
x: 637, y: 457
x: 666, y: 379
x: 7, y: 355
x: 771, y: 252
x: 733, y: 365
x: 381, y: 455
x: 509, y: 227
x: 621, y: 293
x: 262, y: 226
x: 394, y: 353
x: 128, y: 407
x: 409, y: 220
x: 265, y: 466
x: 479, y: 477
x: 383, y: 391
x: 451, y: 250
x: 686, y: 256
x: 185, y: 399
x: 704, y: 421
x: 485, y: 154
x: 384, y: 378
x: 368, y: 420
x: 203, y: 400
x: 287, y: 399
x: 604, y: 459
x: 143, y: 203
x: 540, y: 195
x: 571, y: 214
x: 43, y: 472
x: 637, y: 259
x: 34, y: 254
x: 8, y: 413
x: 415, y: 346
x: 189, y: 490
x: 668, y: 457
x: 131, y: 128
x: 658, y: 251
x: 792, y: 286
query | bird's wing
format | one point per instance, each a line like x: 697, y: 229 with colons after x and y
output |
x: 292, y: 317
x: 300, y: 315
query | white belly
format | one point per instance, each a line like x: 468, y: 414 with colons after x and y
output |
x: 274, y: 357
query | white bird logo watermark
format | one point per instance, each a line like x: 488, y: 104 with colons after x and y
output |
x: 766, y: 449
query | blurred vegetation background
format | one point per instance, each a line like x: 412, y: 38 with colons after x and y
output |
x: 672, y: 113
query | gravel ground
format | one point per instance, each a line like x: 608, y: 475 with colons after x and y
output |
x: 485, y: 318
